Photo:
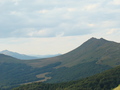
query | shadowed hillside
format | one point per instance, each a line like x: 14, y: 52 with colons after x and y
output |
x: 8, y: 59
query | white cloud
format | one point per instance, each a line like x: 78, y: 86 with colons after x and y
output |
x: 39, y: 33
x: 91, y: 25
x: 39, y: 14
x: 111, y: 31
x: 43, y: 11
x: 16, y: 2
x: 91, y: 7
x: 60, y: 34
x: 71, y: 9
x: 58, y: 19
x: 16, y: 13
x: 108, y: 24
x: 115, y: 2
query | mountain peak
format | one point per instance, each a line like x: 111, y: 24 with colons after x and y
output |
x: 93, y: 38
x: 97, y: 40
x: 103, y: 39
x: 5, y: 51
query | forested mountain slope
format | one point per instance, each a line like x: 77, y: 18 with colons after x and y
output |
x: 106, y: 80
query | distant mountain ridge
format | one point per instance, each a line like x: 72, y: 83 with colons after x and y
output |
x: 46, y: 56
x: 25, y: 57
x: 17, y: 55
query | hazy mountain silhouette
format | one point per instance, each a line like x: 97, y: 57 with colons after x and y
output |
x: 25, y: 57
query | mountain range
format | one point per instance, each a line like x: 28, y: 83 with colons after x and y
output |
x: 92, y: 57
x: 17, y: 55
x: 25, y: 57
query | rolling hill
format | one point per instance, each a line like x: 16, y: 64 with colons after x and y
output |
x: 92, y: 57
x: 8, y: 59
x: 17, y: 55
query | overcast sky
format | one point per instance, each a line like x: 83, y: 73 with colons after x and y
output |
x: 56, y: 26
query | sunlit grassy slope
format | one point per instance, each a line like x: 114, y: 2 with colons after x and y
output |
x: 117, y: 88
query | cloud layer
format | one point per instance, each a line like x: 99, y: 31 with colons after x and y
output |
x: 46, y: 18
x: 52, y: 27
